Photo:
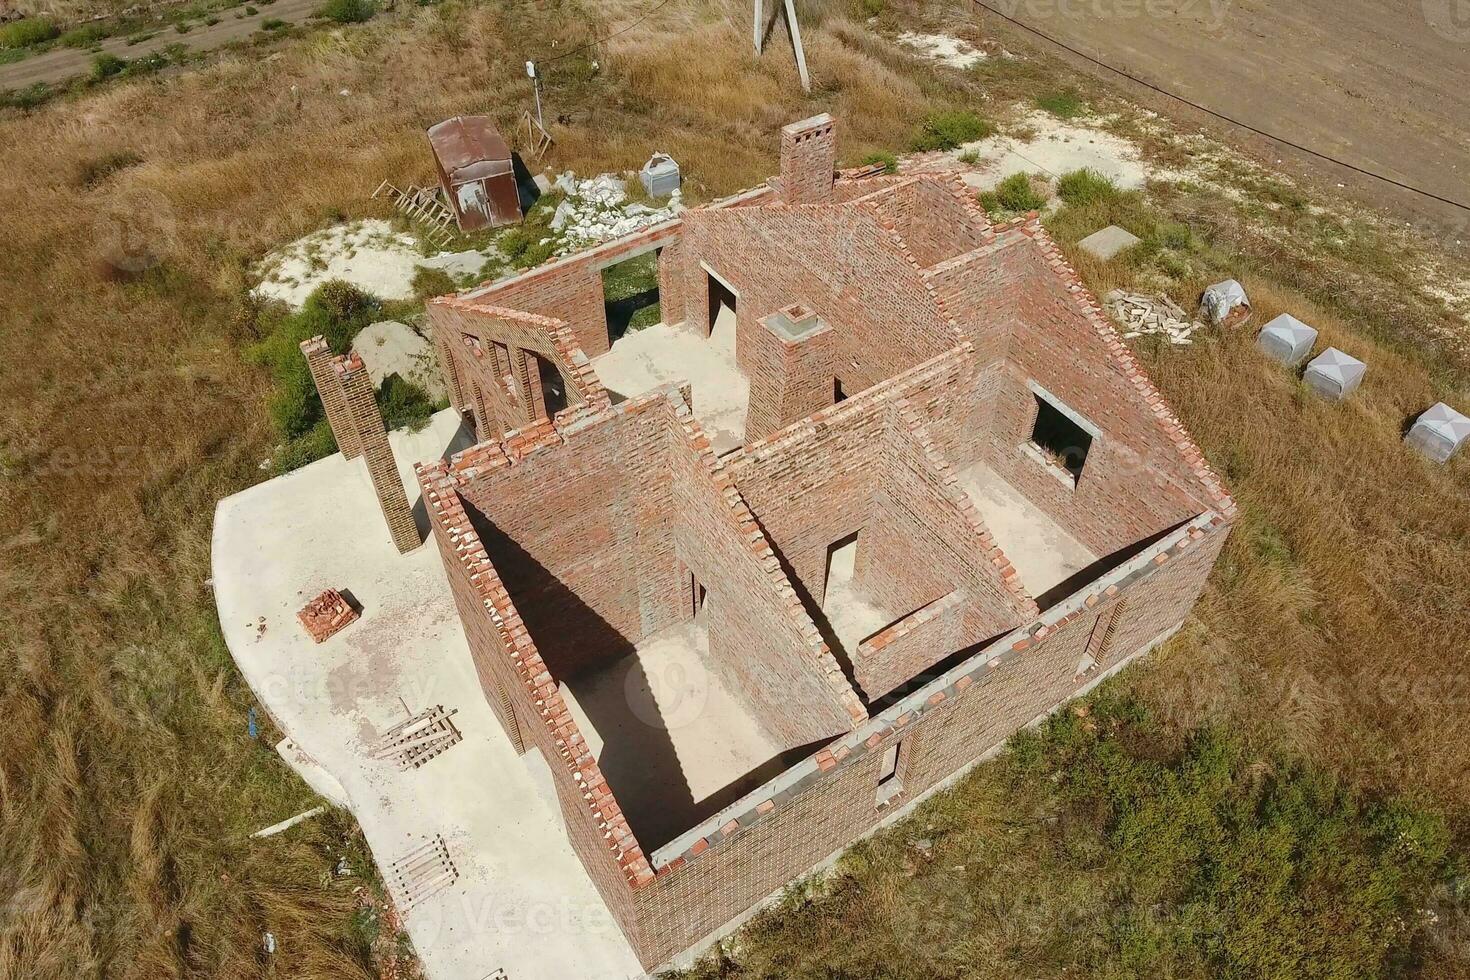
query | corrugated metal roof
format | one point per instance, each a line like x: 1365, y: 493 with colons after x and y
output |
x: 469, y: 148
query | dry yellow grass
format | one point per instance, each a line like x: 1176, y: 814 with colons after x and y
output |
x: 127, y: 784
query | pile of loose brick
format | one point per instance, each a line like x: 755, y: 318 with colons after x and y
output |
x: 1139, y: 315
x: 326, y: 615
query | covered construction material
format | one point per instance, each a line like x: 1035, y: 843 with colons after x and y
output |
x: 1334, y: 374
x: 1225, y: 301
x: 1286, y: 339
x: 660, y: 175
x: 476, y: 172
x: 1439, y: 432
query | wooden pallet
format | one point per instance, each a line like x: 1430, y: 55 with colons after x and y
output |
x: 414, y: 742
x: 422, y: 873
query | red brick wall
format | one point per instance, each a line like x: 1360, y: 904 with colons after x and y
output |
x: 838, y: 261
x: 811, y: 484
x: 760, y: 637
x: 910, y: 646
x: 570, y: 288
x: 833, y: 802
x: 925, y: 539
x: 579, y: 534
x: 789, y: 379
x: 933, y: 221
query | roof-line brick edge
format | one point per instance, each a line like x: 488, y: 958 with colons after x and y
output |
x: 1170, y: 423
x: 1024, y: 603
x: 791, y: 784
x: 447, y: 511
x: 589, y: 386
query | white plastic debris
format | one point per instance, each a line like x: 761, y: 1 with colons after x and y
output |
x: 1222, y: 299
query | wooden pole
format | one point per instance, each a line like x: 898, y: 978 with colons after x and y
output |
x: 806, y: 81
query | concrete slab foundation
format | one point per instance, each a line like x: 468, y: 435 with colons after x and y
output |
x: 522, y: 901
x: 670, y: 737
x: 1044, y: 555
x: 660, y: 354
x: 1108, y: 242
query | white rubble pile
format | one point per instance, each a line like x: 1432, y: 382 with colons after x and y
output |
x: 1159, y: 314
x: 597, y: 209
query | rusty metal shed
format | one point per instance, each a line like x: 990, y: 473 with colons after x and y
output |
x: 476, y: 172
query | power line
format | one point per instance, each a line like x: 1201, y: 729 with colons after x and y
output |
x: 1222, y: 116
x: 623, y: 30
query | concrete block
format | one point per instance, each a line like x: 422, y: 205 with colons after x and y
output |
x: 1439, y: 432
x: 1286, y: 339
x: 1334, y: 374
x: 1109, y: 242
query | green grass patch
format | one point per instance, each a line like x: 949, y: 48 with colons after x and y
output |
x: 1084, y: 187
x: 1014, y: 195
x: 889, y: 161
x: 85, y: 36
x: 1066, y: 104
x: 337, y: 311
x: 947, y: 129
x: 107, y: 65
x: 1105, y: 844
x: 630, y: 294
x: 27, y: 32
x: 347, y: 11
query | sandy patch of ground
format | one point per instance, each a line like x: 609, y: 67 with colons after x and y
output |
x: 1055, y: 148
x: 369, y: 254
x: 390, y: 347
x: 946, y: 50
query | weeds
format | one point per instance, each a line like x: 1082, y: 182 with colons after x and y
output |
x: 347, y: 11
x: 949, y: 129
x: 27, y: 32
x: 889, y: 161
x: 1082, y: 188
x: 1066, y: 104
x: 1014, y: 195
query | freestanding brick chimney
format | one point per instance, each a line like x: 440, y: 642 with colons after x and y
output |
x: 808, y: 160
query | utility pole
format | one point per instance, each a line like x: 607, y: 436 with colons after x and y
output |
x: 761, y: 29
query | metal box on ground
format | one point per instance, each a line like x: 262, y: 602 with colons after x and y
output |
x: 476, y: 172
x: 1286, y: 339
x: 1439, y: 432
x: 1334, y: 374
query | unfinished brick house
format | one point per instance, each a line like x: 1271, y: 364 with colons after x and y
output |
x: 884, y: 488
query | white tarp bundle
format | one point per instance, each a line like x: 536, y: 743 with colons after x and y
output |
x: 1221, y: 298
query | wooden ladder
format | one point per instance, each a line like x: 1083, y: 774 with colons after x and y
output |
x: 423, y: 205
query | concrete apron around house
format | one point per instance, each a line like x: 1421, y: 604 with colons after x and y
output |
x: 514, y: 896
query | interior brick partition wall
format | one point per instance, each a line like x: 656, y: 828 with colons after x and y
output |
x: 761, y: 640
x: 367, y: 425
x: 319, y: 360
x: 838, y: 261
x: 810, y: 484
x: 902, y: 650
x: 580, y: 536
x: 834, y: 803
x: 921, y: 513
x: 933, y: 219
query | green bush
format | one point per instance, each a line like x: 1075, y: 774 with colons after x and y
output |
x: 889, y: 161
x: 946, y: 129
x: 28, y: 97
x: 272, y: 24
x: 347, y: 11
x: 26, y: 32
x: 1066, y: 104
x: 1015, y: 194
x: 1083, y: 187
x: 404, y: 404
x: 107, y: 65
x: 428, y: 283
x: 871, y: 8
x: 337, y: 311
x: 85, y: 36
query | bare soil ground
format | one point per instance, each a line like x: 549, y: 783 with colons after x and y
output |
x: 1379, y: 84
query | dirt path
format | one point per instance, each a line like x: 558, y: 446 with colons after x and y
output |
x: 1376, y: 82
x: 61, y: 64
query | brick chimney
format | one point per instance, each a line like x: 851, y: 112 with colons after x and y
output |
x: 808, y: 160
